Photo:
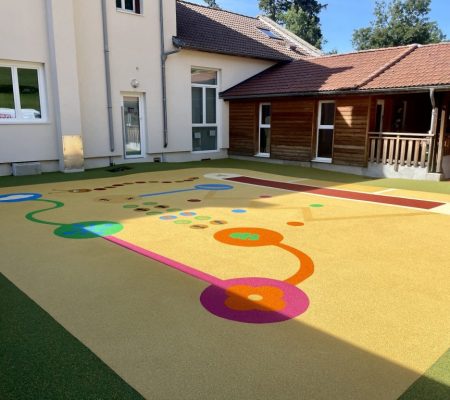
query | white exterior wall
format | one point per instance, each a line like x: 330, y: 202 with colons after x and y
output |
x: 232, y: 70
x: 23, y: 29
x: 80, y: 83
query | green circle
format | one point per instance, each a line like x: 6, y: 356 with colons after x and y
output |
x: 183, y: 222
x: 316, y: 205
x: 154, y: 213
x: 150, y: 203
x: 130, y: 206
x: 174, y: 209
x: 88, y: 229
x: 203, y: 218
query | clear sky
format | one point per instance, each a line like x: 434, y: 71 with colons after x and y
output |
x: 341, y: 17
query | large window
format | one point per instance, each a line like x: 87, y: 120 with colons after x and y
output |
x: 265, y: 112
x: 204, y: 109
x: 325, y: 131
x: 21, y: 94
x: 133, y: 6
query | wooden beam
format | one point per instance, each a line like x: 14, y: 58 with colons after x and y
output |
x: 441, y: 140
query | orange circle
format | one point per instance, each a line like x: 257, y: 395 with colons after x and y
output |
x: 294, y: 223
x: 249, y: 237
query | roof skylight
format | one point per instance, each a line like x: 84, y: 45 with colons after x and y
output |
x: 271, y: 34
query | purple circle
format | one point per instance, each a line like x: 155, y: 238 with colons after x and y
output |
x: 213, y: 299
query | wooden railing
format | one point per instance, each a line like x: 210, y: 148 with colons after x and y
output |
x: 400, y: 149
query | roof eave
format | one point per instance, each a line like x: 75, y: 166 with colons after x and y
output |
x: 416, y: 89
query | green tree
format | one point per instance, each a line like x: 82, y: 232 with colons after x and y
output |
x: 299, y: 16
x: 212, y: 4
x: 397, y: 23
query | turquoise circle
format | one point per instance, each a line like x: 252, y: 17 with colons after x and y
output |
x: 88, y: 229
x: 239, y: 211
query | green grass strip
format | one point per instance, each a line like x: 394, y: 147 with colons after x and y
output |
x: 434, y: 384
x: 39, y: 359
x: 279, y: 169
x: 57, y: 204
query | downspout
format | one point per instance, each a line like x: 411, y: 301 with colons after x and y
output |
x: 108, y: 75
x: 434, y: 120
x: 164, y: 56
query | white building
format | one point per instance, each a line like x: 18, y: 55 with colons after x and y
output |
x: 81, y: 81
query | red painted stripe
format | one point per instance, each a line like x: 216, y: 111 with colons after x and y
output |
x: 343, y: 194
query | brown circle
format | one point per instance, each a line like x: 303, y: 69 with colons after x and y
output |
x: 194, y: 200
x: 110, y: 187
x: 99, y: 189
x: 218, y: 222
x: 116, y: 199
x: 141, y: 209
x: 79, y: 190
x: 166, y: 182
x: 117, y: 185
x: 162, y: 206
x: 198, y: 226
x: 140, y: 182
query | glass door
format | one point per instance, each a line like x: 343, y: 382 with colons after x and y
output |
x: 132, y: 126
x: 325, y: 131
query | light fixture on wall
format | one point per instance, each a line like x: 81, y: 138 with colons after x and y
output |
x: 134, y: 83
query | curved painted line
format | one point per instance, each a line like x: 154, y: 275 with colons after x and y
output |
x: 167, y: 261
x: 57, y: 204
x: 170, y: 192
x: 306, y: 265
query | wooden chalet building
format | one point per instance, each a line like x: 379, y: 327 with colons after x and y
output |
x: 377, y: 113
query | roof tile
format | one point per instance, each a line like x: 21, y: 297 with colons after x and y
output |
x: 218, y: 31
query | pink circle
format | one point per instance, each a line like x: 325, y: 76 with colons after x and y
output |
x: 214, y: 297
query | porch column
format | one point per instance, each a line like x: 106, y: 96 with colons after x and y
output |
x: 441, y: 139
x: 64, y: 84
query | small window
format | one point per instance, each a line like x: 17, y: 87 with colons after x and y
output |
x: 204, y: 109
x: 265, y: 127
x: 133, y: 6
x: 20, y: 94
x: 271, y: 34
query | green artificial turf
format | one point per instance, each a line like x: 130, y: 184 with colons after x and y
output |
x: 280, y: 169
x: 434, y: 384
x: 39, y: 359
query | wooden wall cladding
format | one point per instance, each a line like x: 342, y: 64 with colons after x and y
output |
x: 292, y: 129
x: 243, y: 127
x: 350, y: 131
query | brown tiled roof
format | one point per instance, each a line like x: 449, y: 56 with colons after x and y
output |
x: 395, y: 67
x: 426, y: 66
x: 218, y: 31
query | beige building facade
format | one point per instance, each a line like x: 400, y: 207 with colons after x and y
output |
x: 81, y: 86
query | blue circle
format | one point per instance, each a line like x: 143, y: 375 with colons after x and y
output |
x: 239, y: 211
x: 213, y: 186
x: 18, y: 197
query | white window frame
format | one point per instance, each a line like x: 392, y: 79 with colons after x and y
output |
x: 142, y: 123
x: 19, y: 120
x: 204, y: 124
x: 380, y: 103
x: 125, y: 10
x: 319, y: 127
x: 263, y: 126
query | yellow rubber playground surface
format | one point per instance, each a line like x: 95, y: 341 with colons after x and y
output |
x: 236, y: 284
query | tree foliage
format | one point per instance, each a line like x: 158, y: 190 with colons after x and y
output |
x: 212, y: 4
x: 397, y: 23
x: 299, y: 16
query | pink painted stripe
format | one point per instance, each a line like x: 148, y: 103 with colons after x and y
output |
x: 343, y: 194
x: 167, y: 261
